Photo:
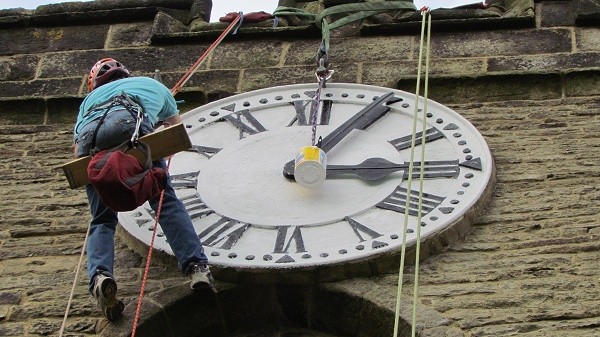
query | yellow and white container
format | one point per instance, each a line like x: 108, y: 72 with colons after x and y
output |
x: 310, y: 167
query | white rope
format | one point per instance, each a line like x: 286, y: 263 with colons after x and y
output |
x: 64, y: 322
x: 426, y: 16
x: 421, y: 175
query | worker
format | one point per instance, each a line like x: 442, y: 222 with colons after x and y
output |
x: 107, y: 118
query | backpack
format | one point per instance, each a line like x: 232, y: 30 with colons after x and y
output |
x: 122, y: 181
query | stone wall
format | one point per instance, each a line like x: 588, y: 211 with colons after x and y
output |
x: 529, y: 267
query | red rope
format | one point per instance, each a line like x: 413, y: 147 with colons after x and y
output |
x: 148, y: 258
x: 176, y: 88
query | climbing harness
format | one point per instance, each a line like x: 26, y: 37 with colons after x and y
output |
x: 131, y: 105
x: 426, y: 20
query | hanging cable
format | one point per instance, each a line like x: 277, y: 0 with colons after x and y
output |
x: 426, y: 18
x: 148, y: 259
x: 64, y: 322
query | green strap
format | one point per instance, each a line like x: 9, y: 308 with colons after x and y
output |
x: 355, y: 11
x: 285, y: 11
x: 361, y: 11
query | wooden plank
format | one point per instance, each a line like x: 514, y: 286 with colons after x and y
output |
x: 162, y: 143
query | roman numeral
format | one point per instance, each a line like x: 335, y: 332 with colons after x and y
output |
x: 185, y: 180
x: 195, y: 207
x: 223, y: 234
x: 359, y: 228
x: 397, y: 202
x: 285, y: 236
x: 435, y: 169
x: 303, y: 120
x: 248, y: 124
x: 403, y: 143
x: 206, y: 151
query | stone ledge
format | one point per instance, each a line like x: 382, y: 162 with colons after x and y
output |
x: 215, y: 29
x: 99, y: 11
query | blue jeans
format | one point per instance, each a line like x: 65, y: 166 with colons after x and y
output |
x: 175, y: 222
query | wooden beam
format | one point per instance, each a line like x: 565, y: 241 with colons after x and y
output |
x: 162, y: 143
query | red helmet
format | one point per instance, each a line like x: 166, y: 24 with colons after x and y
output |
x: 104, y: 71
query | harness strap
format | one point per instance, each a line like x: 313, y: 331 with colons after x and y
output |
x: 125, y: 101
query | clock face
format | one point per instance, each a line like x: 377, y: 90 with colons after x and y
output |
x: 250, y: 215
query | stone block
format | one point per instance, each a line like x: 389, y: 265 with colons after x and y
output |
x: 587, y: 12
x: 201, y: 9
x: 82, y: 18
x: 19, y: 112
x: 587, y: 39
x: 140, y: 61
x: 301, y: 52
x: 63, y: 110
x: 130, y: 35
x: 10, y: 297
x: 258, y: 78
x: 544, y: 63
x: 43, y: 40
x: 586, y: 83
x: 18, y: 68
x: 369, y: 49
x: 166, y: 24
x: 243, y: 54
x: 387, y: 73
x: 500, y: 43
x: 497, y: 88
x: 41, y: 88
x: 207, y: 81
x: 12, y: 329
x: 555, y: 13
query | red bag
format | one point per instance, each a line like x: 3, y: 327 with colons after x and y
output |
x: 122, y: 181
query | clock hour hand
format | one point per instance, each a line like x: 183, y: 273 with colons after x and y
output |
x: 361, y: 120
x: 378, y: 168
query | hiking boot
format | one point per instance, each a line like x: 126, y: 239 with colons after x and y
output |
x: 105, y: 292
x: 201, y: 277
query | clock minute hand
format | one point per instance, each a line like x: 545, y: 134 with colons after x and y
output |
x: 378, y: 168
x: 361, y: 120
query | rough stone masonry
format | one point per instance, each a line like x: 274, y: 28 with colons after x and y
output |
x: 525, y: 73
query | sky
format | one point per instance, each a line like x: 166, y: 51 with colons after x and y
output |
x: 222, y: 7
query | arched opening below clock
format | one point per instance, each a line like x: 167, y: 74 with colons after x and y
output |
x: 272, y: 310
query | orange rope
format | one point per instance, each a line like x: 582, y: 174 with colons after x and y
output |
x: 176, y: 88
x: 148, y: 258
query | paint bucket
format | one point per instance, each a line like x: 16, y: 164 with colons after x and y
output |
x: 310, y: 167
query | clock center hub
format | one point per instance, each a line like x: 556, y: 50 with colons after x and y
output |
x: 245, y: 181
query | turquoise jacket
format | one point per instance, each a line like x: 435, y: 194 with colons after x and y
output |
x: 156, y: 100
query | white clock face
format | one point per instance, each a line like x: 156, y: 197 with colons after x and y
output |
x: 249, y: 215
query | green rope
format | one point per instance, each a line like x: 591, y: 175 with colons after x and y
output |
x: 409, y: 181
